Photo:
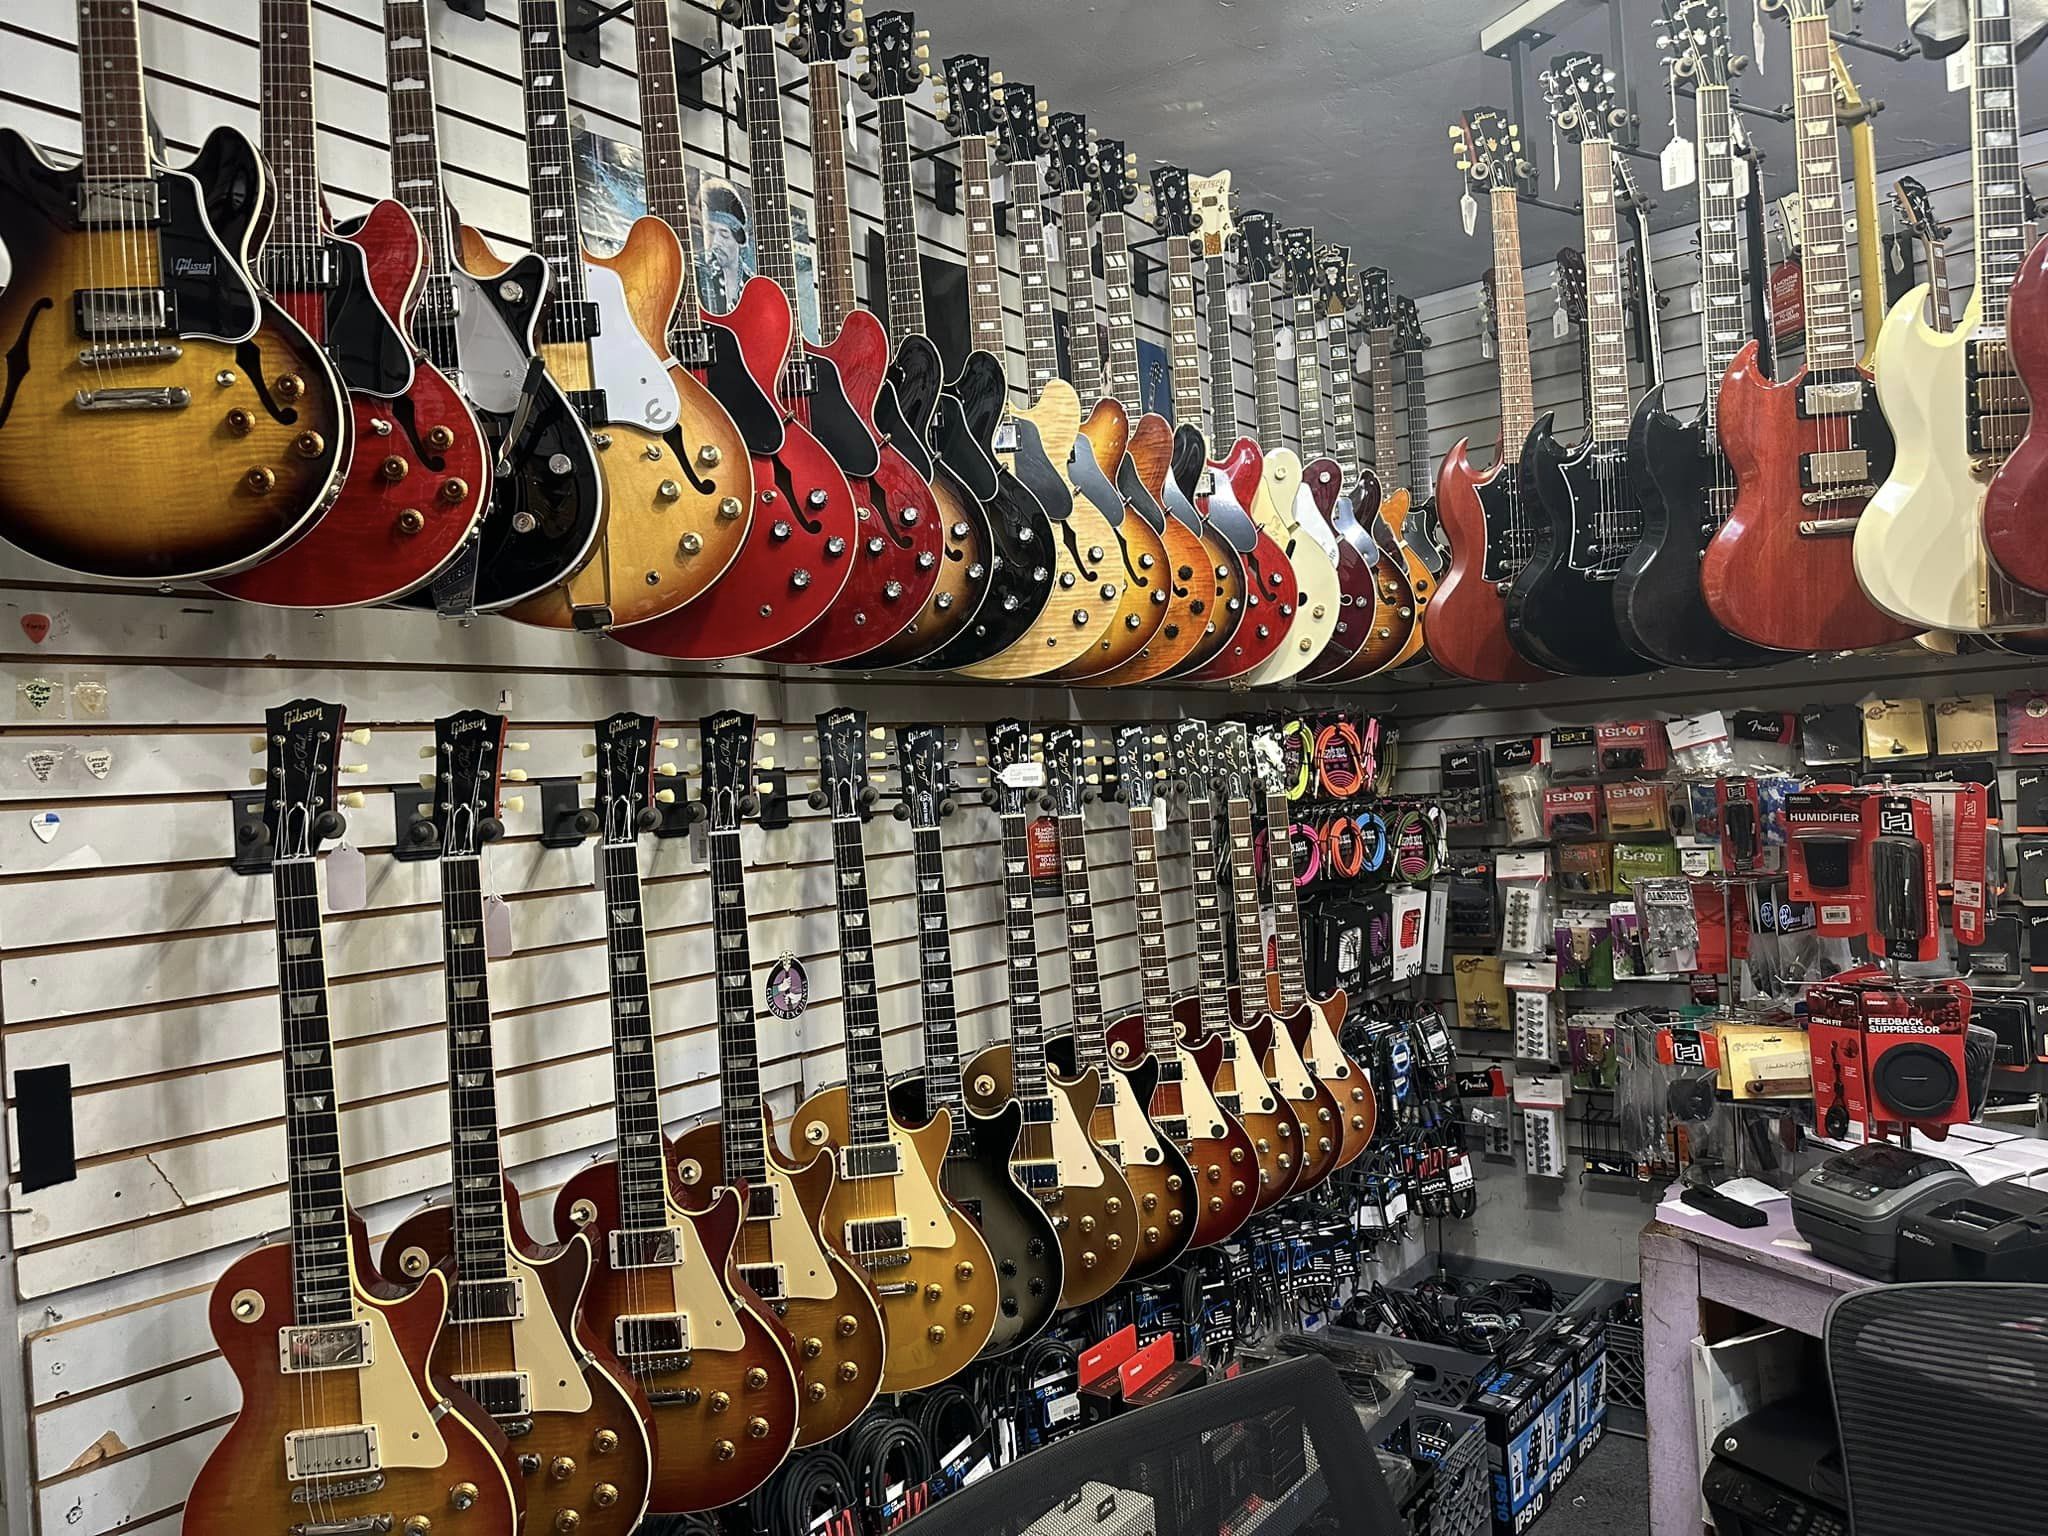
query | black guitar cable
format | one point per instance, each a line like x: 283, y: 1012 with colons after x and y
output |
x: 886, y: 1450
x: 811, y: 1483
x: 946, y: 1417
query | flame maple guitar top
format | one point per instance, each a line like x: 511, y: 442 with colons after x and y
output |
x: 1137, y: 559
x: 1215, y: 1142
x: 1335, y: 1068
x: 1241, y: 1086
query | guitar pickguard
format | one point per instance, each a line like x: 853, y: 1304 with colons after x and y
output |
x: 493, y: 319
x: 634, y: 379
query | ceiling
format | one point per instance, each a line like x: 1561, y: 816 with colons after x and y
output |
x: 1333, y: 112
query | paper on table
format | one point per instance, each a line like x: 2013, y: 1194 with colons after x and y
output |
x: 1751, y: 1192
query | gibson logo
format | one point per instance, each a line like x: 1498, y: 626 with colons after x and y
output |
x: 623, y: 723
x: 192, y: 266
x: 294, y: 717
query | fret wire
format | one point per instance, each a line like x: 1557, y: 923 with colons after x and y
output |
x: 1222, y: 365
x: 1084, y: 343
x: 1286, y: 901
x: 315, y: 1194
x: 866, y: 1076
x: 774, y: 248
x: 289, y: 124
x: 1027, y: 214
x: 1212, y: 958
x: 1308, y: 379
x: 477, y: 1199
x: 1154, y: 983
x: 1723, y: 327
x: 1084, y: 979
x: 1020, y: 927
x: 1417, y: 384
x: 114, y: 122
x: 642, y: 1172
x: 1184, y: 358
x: 742, y: 1129
x: 905, y: 293
x: 1266, y: 366
x: 551, y: 168
x: 943, y: 1088
x: 1384, y: 454
x: 830, y: 197
x: 416, y: 172
x: 2003, y: 234
x: 1125, y: 380
x: 984, y: 269
x: 1511, y: 309
x: 1607, y: 384
x: 1342, y: 432
x: 663, y: 155
x: 1829, y: 308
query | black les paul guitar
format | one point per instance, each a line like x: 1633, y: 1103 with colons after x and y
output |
x: 1560, y: 609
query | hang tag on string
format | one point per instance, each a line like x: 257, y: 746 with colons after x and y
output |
x: 1677, y: 162
x: 1756, y: 33
x: 1740, y: 181
x: 1556, y: 154
x: 347, y: 880
x: 1240, y: 299
x: 497, y: 927
x: 1699, y: 298
x: 1560, y: 324
x: 1468, y: 210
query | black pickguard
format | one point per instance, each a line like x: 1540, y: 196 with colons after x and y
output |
x: 917, y: 376
x: 206, y: 209
x: 837, y: 424
x: 1559, y: 616
x: 898, y: 433
x: 1423, y: 532
x: 1657, y: 600
x: 964, y: 424
x: 754, y: 412
x: 369, y: 351
x: 1019, y: 581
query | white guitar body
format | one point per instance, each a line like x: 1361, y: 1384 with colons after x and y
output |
x: 637, y: 389
x: 1278, y: 509
x: 1920, y: 552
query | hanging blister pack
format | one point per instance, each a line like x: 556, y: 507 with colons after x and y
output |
x: 1670, y: 924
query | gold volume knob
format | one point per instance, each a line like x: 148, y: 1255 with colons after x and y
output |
x: 260, y: 479
x: 1265, y: 1145
x: 1114, y: 1205
x: 1237, y: 1186
x: 1175, y: 1218
x: 394, y: 467
x: 462, y: 1495
x: 1151, y: 1234
x: 1215, y: 1202
x: 815, y: 1392
x: 411, y: 520
x: 440, y: 438
x: 963, y: 1271
x: 568, y: 1520
x: 454, y: 489
x: 720, y: 1401
x: 605, y: 1441
x: 1116, y: 1242
x: 1237, y: 1154
x: 710, y: 456
x: 562, y: 1468
x: 756, y: 1379
x: 1087, y: 1223
x: 1150, y: 1202
x: 417, y: 1525
x: 309, y: 445
x: 729, y: 508
x: 1215, y: 1173
x: 757, y: 1428
x: 848, y: 1370
x: 848, y: 1325
x: 239, y: 421
x: 963, y: 1315
x: 605, y: 1495
x: 934, y: 1292
x: 290, y: 386
x: 1088, y: 1259
x: 936, y: 1333
x: 813, y: 1348
x: 724, y: 1450
x: 1173, y: 1182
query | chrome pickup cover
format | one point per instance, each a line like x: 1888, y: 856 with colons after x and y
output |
x: 491, y: 1301
x: 652, y: 1340
x: 1833, y: 397
x: 324, y: 1347
x: 117, y: 202
x: 878, y: 1240
x: 104, y: 311
x: 1844, y: 466
x: 335, y: 1452
x: 643, y: 1248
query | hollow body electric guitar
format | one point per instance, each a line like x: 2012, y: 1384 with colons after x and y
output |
x: 713, y: 1362
x: 419, y: 478
x: 930, y: 1267
x: 344, y: 1416
x: 987, y: 1170
x: 143, y: 368
x: 786, y: 1254
x: 517, y: 1339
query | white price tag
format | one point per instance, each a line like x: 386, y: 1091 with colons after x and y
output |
x: 1065, y: 1407
x: 1024, y: 776
x: 1461, y: 1174
x: 1679, y: 167
x: 1006, y: 436
x: 1741, y: 178
x: 1468, y: 210
x: 1560, y: 324
x: 1240, y: 301
x: 497, y: 927
x: 346, y: 881
x: 1958, y: 67
x: 1397, y: 1208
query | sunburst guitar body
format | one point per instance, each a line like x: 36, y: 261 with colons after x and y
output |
x: 1317, y: 1109
x: 1234, y: 506
x: 1359, y: 1108
x: 939, y: 1305
x: 787, y: 1256
x: 421, y: 475
x: 433, y: 1455
x: 1143, y: 579
x: 1391, y: 632
x: 1162, y: 1183
x: 1185, y: 1111
x: 576, y: 1421
x: 192, y: 404
x: 724, y: 1404
x: 1238, y: 1080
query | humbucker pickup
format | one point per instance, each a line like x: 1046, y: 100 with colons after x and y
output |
x: 878, y: 1239
x: 490, y: 1301
x: 127, y: 203
x: 691, y: 348
x: 1036, y: 1111
x: 122, y: 312
x: 765, y: 1280
x: 1844, y: 466
x: 1832, y: 397
x: 870, y: 1160
x: 1037, y: 1174
x: 1173, y: 1127
x: 643, y: 1248
x: 1231, y: 1102
x: 501, y: 1394
x: 335, y: 1452
x: 324, y: 1347
x: 800, y: 379
x: 658, y: 1341
x: 764, y: 1201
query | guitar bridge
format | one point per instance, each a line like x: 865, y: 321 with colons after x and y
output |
x: 1827, y: 527
x: 102, y: 353
x: 173, y: 397
x: 361, y: 1525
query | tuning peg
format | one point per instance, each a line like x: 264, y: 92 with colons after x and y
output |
x: 669, y: 743
x: 354, y: 768
x: 432, y: 752
x: 666, y: 770
x: 515, y: 775
x: 513, y: 803
x: 430, y: 781
x: 922, y: 52
x: 767, y: 762
x: 589, y: 750
x: 259, y: 776
x: 665, y: 796
x: 259, y: 743
x: 355, y: 799
x: 586, y: 778
x: 360, y: 735
x: 518, y: 746
x: 996, y: 79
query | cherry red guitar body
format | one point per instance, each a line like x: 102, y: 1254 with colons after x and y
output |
x: 421, y: 474
x: 1218, y: 1148
x: 1324, y: 478
x: 1763, y: 579
x: 1269, y: 586
x: 2015, y: 522
x: 785, y: 576
x: 897, y: 532
x: 1468, y: 622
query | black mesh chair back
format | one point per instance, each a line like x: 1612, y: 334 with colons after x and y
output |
x: 1941, y: 1395
x: 1276, y: 1451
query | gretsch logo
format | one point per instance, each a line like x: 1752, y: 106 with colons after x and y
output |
x: 192, y: 266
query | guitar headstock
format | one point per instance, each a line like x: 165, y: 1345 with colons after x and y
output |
x: 1230, y: 746
x: 1580, y: 90
x: 824, y: 31
x: 974, y: 94
x: 301, y: 777
x: 1173, y: 199
x: 1015, y: 776
x: 926, y: 774
x: 1916, y: 211
x: 1488, y: 147
x: 1214, y: 220
x: 1027, y: 123
x: 731, y: 792
x: 1408, y: 334
x: 1571, y: 284
x: 1298, y: 260
x: 1258, y: 245
x: 626, y: 768
x: 469, y: 760
x: 899, y: 55
x: 1192, y: 766
x: 1333, y: 279
x: 1141, y: 765
x: 1116, y: 175
x: 1072, y: 152
x: 1376, y: 298
x: 1798, y: 10
x: 1269, y: 756
x: 1693, y: 35
x: 756, y: 13
x: 1071, y: 773
x: 846, y: 784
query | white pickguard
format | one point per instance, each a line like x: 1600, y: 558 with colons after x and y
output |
x: 493, y: 359
x: 390, y: 1399
x: 1198, y: 1105
x: 793, y: 1241
x: 1255, y: 1096
x: 1136, y: 1141
x: 634, y: 377
x: 1290, y: 1073
x: 700, y: 1292
x: 1079, y: 1162
x: 553, y: 1365
x: 1315, y: 572
x: 1920, y: 553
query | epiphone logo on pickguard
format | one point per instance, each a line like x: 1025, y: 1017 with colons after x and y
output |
x: 192, y: 266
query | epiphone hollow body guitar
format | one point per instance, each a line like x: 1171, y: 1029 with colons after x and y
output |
x: 517, y: 1338
x: 982, y: 1173
x: 1560, y: 606
x: 1491, y: 529
x: 791, y: 563
x: 1808, y: 450
x: 786, y: 1254
x: 143, y: 368
x: 418, y: 482
x: 344, y: 1415
x: 713, y: 1362
x: 930, y: 1267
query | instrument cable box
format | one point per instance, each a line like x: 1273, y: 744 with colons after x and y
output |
x: 1851, y: 1206
x: 1999, y: 1232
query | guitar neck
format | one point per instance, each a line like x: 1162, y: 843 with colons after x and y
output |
x: 321, y: 1289
x: 1607, y: 391
x: 551, y: 171
x: 742, y: 1130
x: 413, y: 121
x: 1266, y: 367
x: 2000, y: 193
x: 1212, y: 961
x: 1020, y: 924
x: 1155, y: 984
x: 1084, y: 343
x: 636, y: 1086
x: 663, y: 153
x: 836, y: 300
x: 1340, y: 435
x: 1824, y: 252
x: 479, y: 1193
x: 1184, y: 348
x: 1027, y: 212
x: 774, y: 248
x: 899, y: 223
x: 1308, y: 377
x: 1511, y: 310
x: 113, y: 122
x: 1244, y: 898
x: 1222, y: 373
x: 1125, y: 381
x: 1091, y: 1047
x: 1286, y: 901
x: 1386, y: 458
x: 1417, y: 386
x: 867, y: 1077
x: 290, y: 130
x: 1723, y: 330
x: 984, y: 280
x: 942, y: 1085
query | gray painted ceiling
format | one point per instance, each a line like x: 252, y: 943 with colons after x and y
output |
x: 1333, y: 112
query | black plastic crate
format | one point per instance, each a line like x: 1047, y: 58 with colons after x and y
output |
x: 1454, y: 1498
x: 1566, y: 1288
x: 1443, y: 1372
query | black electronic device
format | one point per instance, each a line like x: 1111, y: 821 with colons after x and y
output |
x: 1778, y: 1472
x: 1999, y: 1232
x: 1722, y: 1207
x: 1850, y: 1207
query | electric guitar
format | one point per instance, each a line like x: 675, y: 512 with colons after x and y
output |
x: 1276, y: 258
x: 1161, y: 1183
x: 1147, y: 1047
x: 791, y: 563
x: 1350, y: 1089
x: 1810, y: 449
x: 1560, y: 605
x: 1105, y: 473
x: 1077, y: 1181
x: 898, y: 532
x: 1317, y: 1113
x: 1238, y: 1078
x: 1915, y: 208
x: 1047, y: 450
x: 1022, y: 566
x: 1677, y: 467
x: 517, y: 1339
x: 344, y: 1417
x: 714, y: 1363
x: 145, y: 371
x: 668, y: 455
x: 1422, y: 531
x: 477, y: 321
x: 787, y: 1254
x: 1236, y: 499
x: 412, y: 494
x: 898, y: 65
x: 2011, y: 523
x: 1490, y: 524
x: 986, y: 1173
x: 930, y: 1266
x: 1925, y: 551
